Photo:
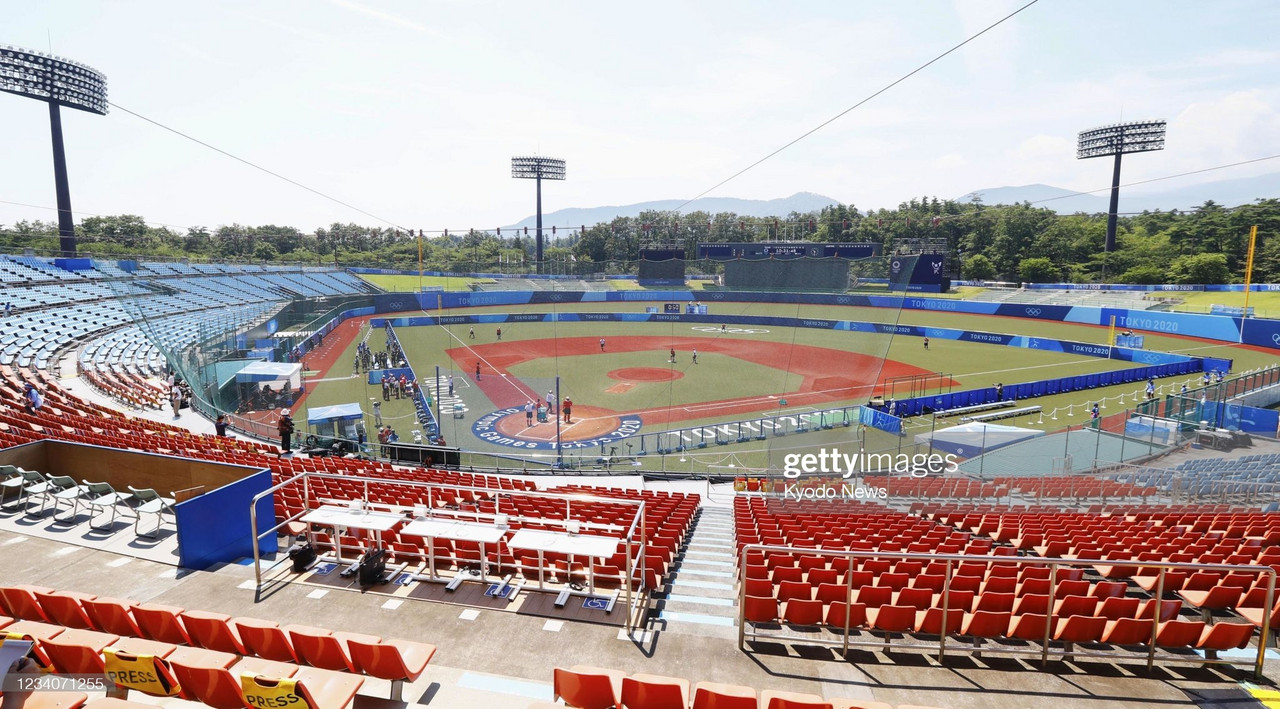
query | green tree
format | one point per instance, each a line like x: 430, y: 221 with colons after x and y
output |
x: 1144, y: 275
x: 1200, y: 268
x: 978, y: 268
x: 1038, y: 270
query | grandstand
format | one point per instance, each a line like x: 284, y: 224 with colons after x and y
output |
x: 992, y: 587
x: 1135, y: 300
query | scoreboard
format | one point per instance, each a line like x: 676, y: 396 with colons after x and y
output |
x: 752, y: 251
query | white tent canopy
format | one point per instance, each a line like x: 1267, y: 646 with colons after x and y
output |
x: 975, y: 438
x: 271, y: 373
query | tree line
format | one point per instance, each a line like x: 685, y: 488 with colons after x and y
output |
x: 1019, y: 242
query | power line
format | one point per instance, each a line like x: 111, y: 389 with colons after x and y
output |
x: 256, y: 166
x: 841, y: 114
x: 1159, y: 179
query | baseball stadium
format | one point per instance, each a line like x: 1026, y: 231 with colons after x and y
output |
x: 679, y: 459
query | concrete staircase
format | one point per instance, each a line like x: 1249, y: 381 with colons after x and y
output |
x: 701, y: 596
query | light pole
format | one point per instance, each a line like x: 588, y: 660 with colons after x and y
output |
x: 538, y: 169
x: 58, y: 82
x: 1135, y: 137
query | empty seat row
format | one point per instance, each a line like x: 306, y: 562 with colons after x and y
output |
x: 318, y: 647
x: 588, y: 687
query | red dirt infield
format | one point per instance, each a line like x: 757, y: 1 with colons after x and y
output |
x: 645, y: 374
x: 828, y: 375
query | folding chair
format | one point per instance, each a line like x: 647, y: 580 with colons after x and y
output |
x: 99, y: 497
x: 26, y: 483
x: 151, y: 503
x: 60, y: 488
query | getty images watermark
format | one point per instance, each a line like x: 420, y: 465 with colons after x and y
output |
x: 833, y: 462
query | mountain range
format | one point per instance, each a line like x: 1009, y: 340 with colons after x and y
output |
x: 801, y: 202
x: 1228, y: 193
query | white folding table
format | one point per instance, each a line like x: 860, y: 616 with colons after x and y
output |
x: 543, y: 540
x: 339, y: 517
x: 458, y: 530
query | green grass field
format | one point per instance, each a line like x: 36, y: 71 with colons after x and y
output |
x: 718, y: 377
x: 413, y: 284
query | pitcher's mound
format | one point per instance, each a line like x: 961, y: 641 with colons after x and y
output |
x: 645, y: 374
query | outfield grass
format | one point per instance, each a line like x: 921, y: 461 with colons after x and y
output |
x: 720, y: 377
x: 413, y: 284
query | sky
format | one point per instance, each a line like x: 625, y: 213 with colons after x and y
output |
x: 411, y: 110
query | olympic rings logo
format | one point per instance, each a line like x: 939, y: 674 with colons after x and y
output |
x: 1033, y: 312
x: 731, y: 330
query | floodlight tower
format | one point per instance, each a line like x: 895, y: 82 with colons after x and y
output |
x: 539, y: 169
x: 57, y: 82
x: 1118, y: 139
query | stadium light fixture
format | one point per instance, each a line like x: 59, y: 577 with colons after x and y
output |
x: 58, y: 82
x: 539, y: 169
x: 1118, y: 139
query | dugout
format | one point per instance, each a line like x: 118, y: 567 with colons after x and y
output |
x: 211, y: 499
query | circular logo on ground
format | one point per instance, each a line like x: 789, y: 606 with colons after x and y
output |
x: 731, y: 330
x: 491, y: 429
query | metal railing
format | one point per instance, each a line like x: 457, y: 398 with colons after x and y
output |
x: 636, y: 531
x: 846, y: 640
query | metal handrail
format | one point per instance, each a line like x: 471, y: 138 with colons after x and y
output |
x: 305, y: 478
x: 1053, y: 563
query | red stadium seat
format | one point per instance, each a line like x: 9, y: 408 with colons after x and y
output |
x: 588, y: 687
x: 394, y: 660
x: 645, y: 691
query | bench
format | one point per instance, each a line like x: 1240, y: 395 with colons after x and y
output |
x: 1003, y: 414
x: 977, y: 408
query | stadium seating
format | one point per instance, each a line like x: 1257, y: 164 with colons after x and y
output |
x: 203, y: 649
x: 1001, y: 599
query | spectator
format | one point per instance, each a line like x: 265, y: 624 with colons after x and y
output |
x: 33, y: 401
x: 175, y: 398
x: 220, y: 425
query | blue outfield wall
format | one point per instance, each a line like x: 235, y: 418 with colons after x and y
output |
x: 1045, y: 387
x: 215, y: 527
x: 1223, y: 328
